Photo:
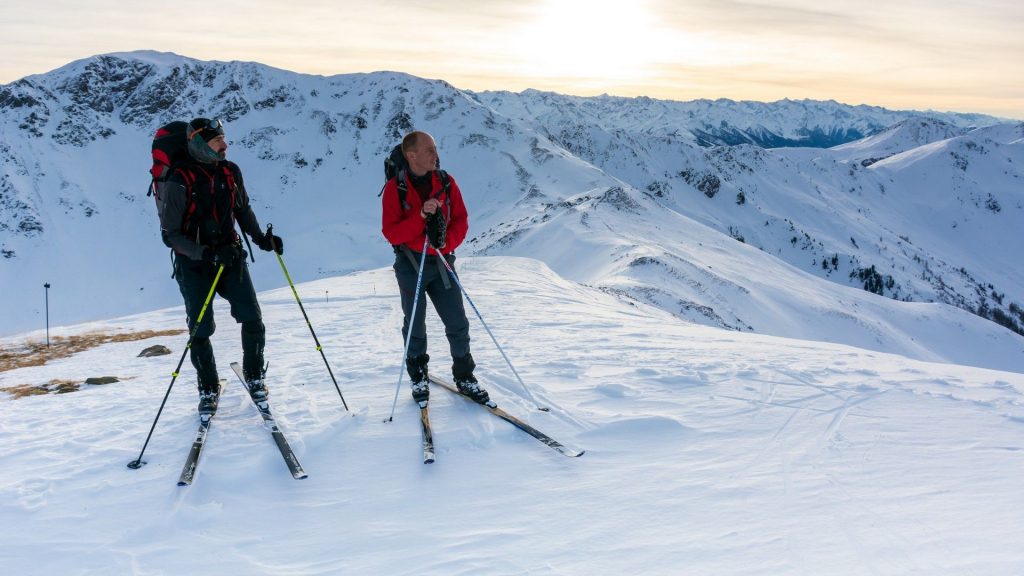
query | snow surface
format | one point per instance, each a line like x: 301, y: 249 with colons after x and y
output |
x: 708, y: 451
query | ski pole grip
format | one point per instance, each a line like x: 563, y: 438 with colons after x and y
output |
x: 270, y: 235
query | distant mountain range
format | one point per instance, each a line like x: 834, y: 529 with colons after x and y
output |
x: 730, y: 214
x: 722, y: 122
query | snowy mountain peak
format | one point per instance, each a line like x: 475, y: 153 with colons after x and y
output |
x: 902, y: 136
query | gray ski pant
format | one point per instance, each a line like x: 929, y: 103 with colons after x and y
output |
x: 447, y: 302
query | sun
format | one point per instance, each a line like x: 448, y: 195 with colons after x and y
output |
x: 587, y: 39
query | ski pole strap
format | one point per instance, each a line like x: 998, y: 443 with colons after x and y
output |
x: 248, y: 246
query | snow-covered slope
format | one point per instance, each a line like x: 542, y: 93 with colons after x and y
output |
x: 662, y: 258
x: 73, y: 211
x: 718, y: 451
x: 903, y: 136
x: 935, y: 229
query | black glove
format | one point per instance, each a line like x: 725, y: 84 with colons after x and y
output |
x: 437, y: 229
x: 265, y: 243
x: 226, y: 255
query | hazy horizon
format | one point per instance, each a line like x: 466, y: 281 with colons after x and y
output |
x: 906, y: 55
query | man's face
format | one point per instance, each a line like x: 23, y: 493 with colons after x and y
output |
x: 218, y: 145
x: 422, y: 157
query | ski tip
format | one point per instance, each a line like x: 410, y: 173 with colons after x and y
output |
x: 180, y: 483
x: 300, y: 476
x: 428, y: 460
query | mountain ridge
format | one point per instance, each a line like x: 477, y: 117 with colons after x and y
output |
x: 74, y: 159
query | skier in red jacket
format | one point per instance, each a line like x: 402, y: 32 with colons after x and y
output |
x: 422, y: 201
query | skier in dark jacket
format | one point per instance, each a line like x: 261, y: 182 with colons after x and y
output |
x: 433, y: 206
x: 204, y: 198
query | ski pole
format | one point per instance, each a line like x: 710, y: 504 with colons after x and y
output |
x: 137, y: 463
x: 491, y: 334
x: 412, y: 323
x: 270, y: 228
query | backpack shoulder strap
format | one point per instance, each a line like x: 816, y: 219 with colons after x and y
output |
x: 229, y: 174
x: 446, y: 186
x: 233, y: 172
x: 187, y: 177
x: 403, y: 189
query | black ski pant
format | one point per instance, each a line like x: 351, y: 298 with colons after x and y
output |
x: 235, y: 286
x: 447, y: 302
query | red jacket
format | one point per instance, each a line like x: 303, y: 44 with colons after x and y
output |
x: 406, y: 226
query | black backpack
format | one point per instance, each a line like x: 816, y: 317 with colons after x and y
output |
x: 395, y: 166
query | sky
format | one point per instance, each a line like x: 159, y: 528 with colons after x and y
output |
x: 901, y: 54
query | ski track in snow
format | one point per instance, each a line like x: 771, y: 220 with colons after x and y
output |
x: 708, y: 452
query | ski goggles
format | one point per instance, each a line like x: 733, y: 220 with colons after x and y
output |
x: 204, y: 126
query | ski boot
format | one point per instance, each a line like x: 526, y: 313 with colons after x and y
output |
x: 256, y: 384
x: 417, y: 368
x: 470, y: 387
x: 208, y: 401
x: 258, y: 389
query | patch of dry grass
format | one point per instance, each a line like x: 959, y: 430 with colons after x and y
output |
x: 38, y: 353
x: 51, y: 387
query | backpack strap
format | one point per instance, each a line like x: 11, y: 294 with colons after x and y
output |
x: 403, y: 189
x: 416, y: 265
x: 190, y: 208
x: 205, y: 204
x: 229, y: 174
x: 446, y: 186
x: 446, y: 181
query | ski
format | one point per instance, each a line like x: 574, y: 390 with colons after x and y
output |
x: 268, y: 419
x: 188, y: 472
x: 428, y: 436
x: 493, y: 409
